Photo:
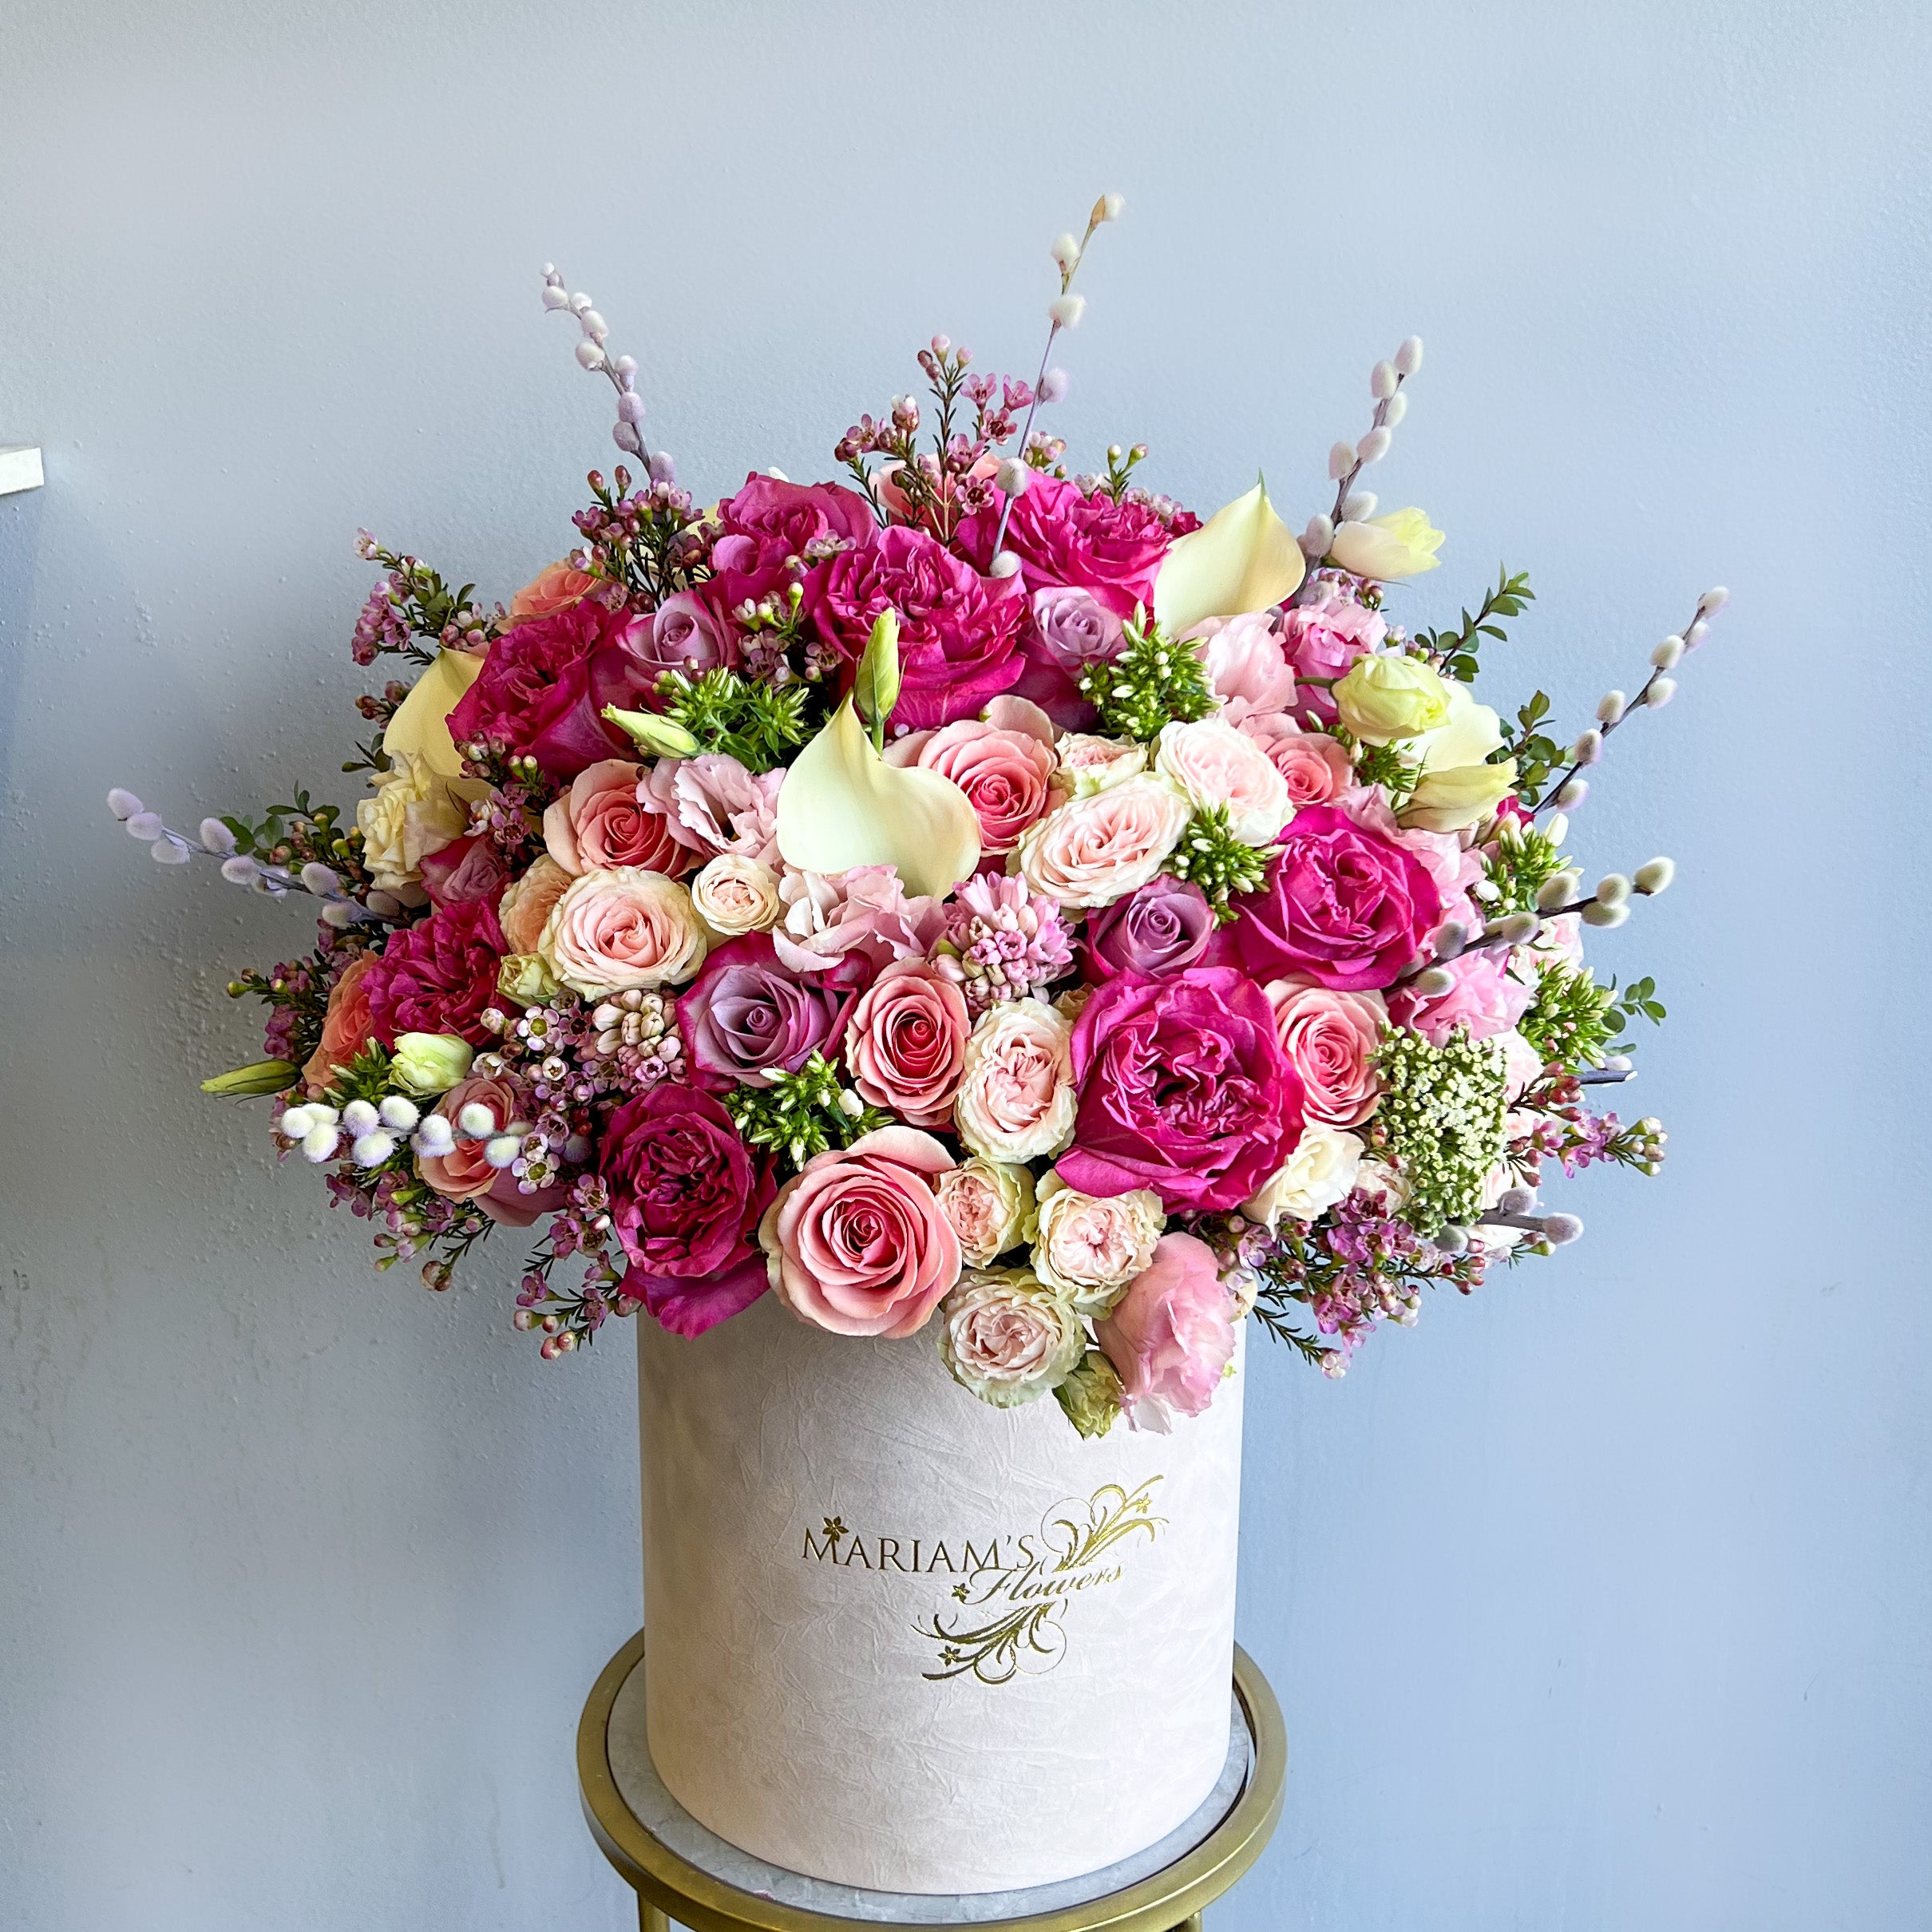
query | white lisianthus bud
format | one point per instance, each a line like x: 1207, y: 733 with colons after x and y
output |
x: 1513, y: 928
x: 318, y: 1144
x: 1560, y: 1230
x: 1656, y: 876
x: 295, y: 1122
x: 1713, y: 601
x: 1358, y: 506
x: 217, y: 836
x: 398, y: 1112
x: 1612, y: 889
x: 1611, y: 706
x: 1012, y: 476
x: 1066, y: 253
x: 1660, y: 692
x: 1393, y: 411
x: 501, y: 1150
x: 359, y: 1117
x: 1065, y: 311
x: 1669, y: 654
x: 1373, y: 446
x: 590, y: 355
x: 1408, y: 358
x: 1382, y: 380
x: 1605, y: 916
x: 1317, y: 538
x: 476, y: 1119
x: 1572, y: 794
x: 1557, y: 890
x: 1434, y: 982
x: 373, y: 1149
x: 1341, y: 460
x: 1588, y: 748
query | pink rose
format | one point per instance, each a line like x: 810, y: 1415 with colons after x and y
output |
x: 1486, y: 998
x: 1072, y: 628
x: 601, y: 821
x: 1171, y: 1335
x: 1454, y: 869
x: 857, y: 1242
x: 774, y: 532
x: 712, y: 804
x: 1003, y: 770
x: 958, y: 631
x: 1347, y: 905
x: 905, y: 1043
x: 622, y: 928
x: 686, y: 637
x: 1016, y: 1100
x: 554, y: 588
x: 1330, y: 1038
x: 346, y: 1027
x: 463, y: 1174
x: 527, y: 903
x: 1246, y: 667
x: 1322, y: 640
x: 1215, y: 765
x: 864, y: 911
x: 1313, y: 765
x: 1094, y: 850
x: 472, y: 867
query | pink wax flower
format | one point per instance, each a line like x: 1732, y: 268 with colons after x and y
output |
x: 1183, y: 1089
x: 438, y: 976
x: 347, y: 1026
x: 905, y: 1043
x: 464, y: 1174
x: 1487, y: 999
x: 1322, y: 640
x: 863, y: 911
x: 1347, y: 905
x: 1246, y: 666
x: 857, y: 1242
x: 1171, y: 1335
x: 601, y: 820
x: 1330, y: 1038
x: 685, y: 1196
x: 555, y: 587
x: 711, y: 804
x: 1065, y: 538
x: 1313, y: 765
x: 958, y: 631
x: 769, y: 523
x: 1002, y: 763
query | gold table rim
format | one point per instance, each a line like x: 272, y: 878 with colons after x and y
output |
x: 1157, y: 1903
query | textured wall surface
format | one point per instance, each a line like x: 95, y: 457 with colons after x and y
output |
x: 1600, y: 1602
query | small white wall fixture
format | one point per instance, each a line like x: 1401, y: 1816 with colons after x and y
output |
x: 20, y: 468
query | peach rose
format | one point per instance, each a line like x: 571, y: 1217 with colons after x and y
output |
x: 555, y: 587
x: 526, y: 904
x: 1091, y: 1246
x: 1313, y: 765
x: 857, y: 1241
x: 905, y: 1043
x: 1003, y: 770
x: 601, y: 821
x: 463, y: 1174
x: 1330, y: 1038
x: 621, y: 927
x: 346, y: 1027
x: 1094, y: 850
x: 735, y: 895
x: 990, y: 1204
x: 1215, y: 765
x: 1016, y: 1100
x: 1247, y: 667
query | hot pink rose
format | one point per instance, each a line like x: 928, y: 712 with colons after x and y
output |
x: 1322, y: 640
x: 1002, y: 769
x: 347, y: 1025
x: 555, y: 587
x: 857, y: 1242
x: 1246, y: 667
x: 1455, y: 869
x: 1313, y: 765
x: 437, y: 976
x: 712, y: 804
x: 958, y: 631
x: 601, y: 821
x: 463, y: 1174
x: 905, y: 1043
x: 772, y: 532
x: 1171, y: 1335
x: 1486, y: 998
x: 1064, y: 538
x: 1330, y: 1039
x: 1343, y: 904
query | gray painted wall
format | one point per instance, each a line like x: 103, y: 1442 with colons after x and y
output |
x: 1602, y: 1600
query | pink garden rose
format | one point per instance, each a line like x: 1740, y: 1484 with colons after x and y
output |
x: 620, y: 928
x: 1003, y: 768
x: 711, y: 804
x: 347, y: 1026
x: 1214, y: 764
x: 958, y: 631
x: 1330, y: 1038
x: 1347, y: 905
x: 1015, y: 1101
x: 555, y: 587
x: 437, y: 976
x: 601, y: 821
x: 905, y: 1043
x: 1171, y: 1335
x: 1313, y: 765
x: 1246, y: 667
x: 472, y: 867
x: 1093, y: 850
x: 857, y: 1242
x: 524, y: 909
x: 1488, y: 997
x: 1322, y: 640
x: 772, y: 532
x: 463, y: 1174
x: 1065, y: 538
x: 863, y: 913
x: 1183, y: 1089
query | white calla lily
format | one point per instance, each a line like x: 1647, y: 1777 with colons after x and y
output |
x: 1244, y: 558
x: 842, y: 805
x: 421, y: 725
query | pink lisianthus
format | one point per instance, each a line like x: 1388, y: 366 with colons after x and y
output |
x: 857, y: 1242
x: 438, y: 976
x: 601, y: 820
x: 1313, y: 765
x: 958, y: 631
x: 1171, y: 1335
x: 1001, y: 762
x: 1487, y: 999
x: 543, y: 688
x: 905, y: 1043
x: 863, y: 912
x: 772, y: 531
x: 464, y: 1174
x: 1064, y: 538
x: 711, y: 804
x: 1246, y: 667
x: 1330, y: 1038
x: 1322, y: 640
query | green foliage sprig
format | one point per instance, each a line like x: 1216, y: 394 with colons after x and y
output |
x: 1151, y: 683
x: 802, y: 1113
x: 759, y: 725
x: 1211, y: 856
x: 1517, y: 862
x: 1456, y: 651
x: 1573, y: 1023
x: 1536, y: 754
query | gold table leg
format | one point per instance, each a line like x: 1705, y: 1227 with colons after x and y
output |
x: 1189, y: 1925
x: 650, y: 1919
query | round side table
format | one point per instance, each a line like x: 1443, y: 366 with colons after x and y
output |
x: 684, y: 1875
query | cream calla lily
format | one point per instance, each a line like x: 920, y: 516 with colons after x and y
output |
x: 842, y: 805
x: 421, y: 725
x: 1387, y: 548
x: 1242, y: 559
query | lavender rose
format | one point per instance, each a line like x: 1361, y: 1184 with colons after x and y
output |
x: 1161, y: 928
x: 747, y: 1018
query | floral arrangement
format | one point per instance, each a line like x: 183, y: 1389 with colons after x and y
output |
x: 970, y: 898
